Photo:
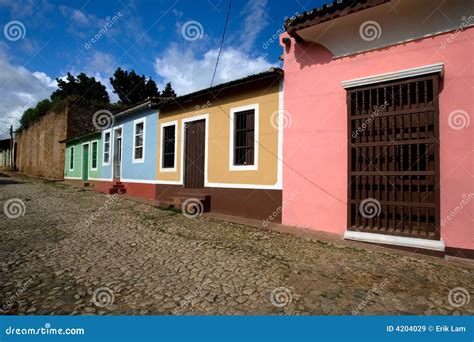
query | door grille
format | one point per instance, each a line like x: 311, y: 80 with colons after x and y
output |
x: 394, y: 158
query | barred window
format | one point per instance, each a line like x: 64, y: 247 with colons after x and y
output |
x: 169, y: 143
x: 244, y: 137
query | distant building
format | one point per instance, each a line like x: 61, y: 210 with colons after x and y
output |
x: 6, y: 154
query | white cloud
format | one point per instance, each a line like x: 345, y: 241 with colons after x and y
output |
x: 256, y: 19
x: 20, y: 89
x: 75, y: 15
x: 188, y: 72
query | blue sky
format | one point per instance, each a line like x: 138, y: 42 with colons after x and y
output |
x: 54, y: 37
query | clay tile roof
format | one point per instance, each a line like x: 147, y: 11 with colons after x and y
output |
x: 337, y: 9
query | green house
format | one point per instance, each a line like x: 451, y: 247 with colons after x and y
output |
x: 83, y: 157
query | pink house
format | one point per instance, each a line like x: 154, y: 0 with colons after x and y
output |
x: 378, y: 144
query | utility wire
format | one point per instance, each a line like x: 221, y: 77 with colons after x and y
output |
x: 222, y: 42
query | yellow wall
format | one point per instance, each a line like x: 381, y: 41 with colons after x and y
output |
x: 219, y: 137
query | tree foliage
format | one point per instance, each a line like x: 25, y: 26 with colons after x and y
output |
x: 84, y: 88
x: 32, y: 114
x: 132, y: 88
x: 168, y: 91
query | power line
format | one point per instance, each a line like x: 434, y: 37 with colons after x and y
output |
x: 222, y: 42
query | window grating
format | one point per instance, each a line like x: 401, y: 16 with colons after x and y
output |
x: 393, y: 158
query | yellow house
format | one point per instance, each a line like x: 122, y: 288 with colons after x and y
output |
x: 219, y: 149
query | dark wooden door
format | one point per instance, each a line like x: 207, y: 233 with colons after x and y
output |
x: 194, y: 154
x: 394, y: 158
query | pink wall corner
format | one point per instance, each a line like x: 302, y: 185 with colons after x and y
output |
x: 315, y: 144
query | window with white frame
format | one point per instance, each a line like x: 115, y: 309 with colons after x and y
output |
x: 168, y: 146
x: 106, y: 158
x: 94, y: 155
x: 71, y: 158
x: 138, y: 141
x: 243, y: 147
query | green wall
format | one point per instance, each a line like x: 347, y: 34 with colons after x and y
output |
x: 76, y: 173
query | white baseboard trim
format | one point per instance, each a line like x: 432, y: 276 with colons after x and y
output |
x: 434, y: 245
x: 101, y: 179
x: 70, y: 177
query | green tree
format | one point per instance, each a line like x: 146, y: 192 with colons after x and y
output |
x: 168, y: 91
x: 32, y: 114
x: 83, y: 89
x: 132, y: 88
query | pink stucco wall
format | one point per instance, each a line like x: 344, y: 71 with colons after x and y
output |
x: 315, y: 143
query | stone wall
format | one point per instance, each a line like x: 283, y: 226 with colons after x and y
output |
x: 39, y: 152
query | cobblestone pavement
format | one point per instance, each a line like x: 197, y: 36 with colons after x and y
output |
x: 78, y: 252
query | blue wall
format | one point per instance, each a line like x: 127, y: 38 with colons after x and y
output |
x: 135, y: 171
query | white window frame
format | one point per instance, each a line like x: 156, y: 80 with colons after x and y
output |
x: 162, y: 146
x: 108, y: 131
x: 135, y: 123
x: 92, y: 168
x: 71, y: 158
x: 254, y: 166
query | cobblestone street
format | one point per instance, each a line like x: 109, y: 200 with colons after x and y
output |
x: 78, y: 252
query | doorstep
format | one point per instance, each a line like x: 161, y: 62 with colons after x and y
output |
x: 397, y: 241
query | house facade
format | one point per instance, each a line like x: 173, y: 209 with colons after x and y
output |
x: 379, y: 148
x: 218, y: 149
x: 224, y: 145
x: 83, y: 158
